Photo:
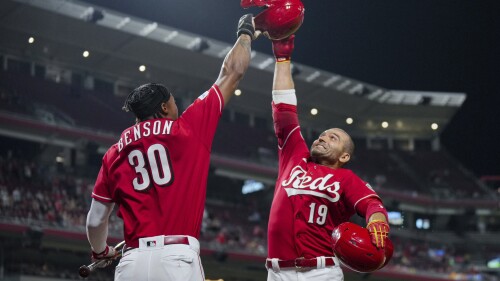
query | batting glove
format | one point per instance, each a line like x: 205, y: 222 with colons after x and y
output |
x: 283, y: 48
x: 379, y: 231
x: 108, y: 254
x: 246, y: 26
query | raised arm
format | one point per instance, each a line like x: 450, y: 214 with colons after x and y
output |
x: 237, y: 60
x: 282, y: 50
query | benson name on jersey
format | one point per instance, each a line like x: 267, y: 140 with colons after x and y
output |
x: 144, y: 129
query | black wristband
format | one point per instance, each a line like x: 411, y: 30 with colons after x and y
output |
x: 245, y: 26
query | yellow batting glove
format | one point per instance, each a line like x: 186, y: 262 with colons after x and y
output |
x: 379, y: 231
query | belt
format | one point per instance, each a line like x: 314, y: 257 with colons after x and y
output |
x: 167, y: 240
x: 300, y: 263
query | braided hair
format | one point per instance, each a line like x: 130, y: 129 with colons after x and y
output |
x: 145, y: 101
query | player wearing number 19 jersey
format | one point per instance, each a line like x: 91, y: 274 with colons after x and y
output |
x: 310, y: 199
x: 313, y: 192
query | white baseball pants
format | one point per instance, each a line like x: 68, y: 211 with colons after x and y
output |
x: 324, y: 273
x: 154, y: 261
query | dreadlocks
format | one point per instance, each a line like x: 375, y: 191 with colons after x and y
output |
x: 145, y: 101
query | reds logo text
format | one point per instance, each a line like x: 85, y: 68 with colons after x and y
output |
x: 301, y: 183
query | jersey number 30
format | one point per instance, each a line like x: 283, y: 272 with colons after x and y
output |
x: 158, y: 163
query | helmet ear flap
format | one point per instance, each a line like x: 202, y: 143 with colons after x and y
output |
x: 353, y: 247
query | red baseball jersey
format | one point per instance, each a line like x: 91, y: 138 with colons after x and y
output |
x: 309, y: 199
x: 157, y: 172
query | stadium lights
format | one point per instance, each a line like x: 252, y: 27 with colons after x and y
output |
x: 422, y: 223
x: 86, y: 54
x: 142, y: 68
x: 237, y: 92
x: 31, y: 40
x: 385, y: 124
x: 314, y: 111
x: 434, y: 126
x: 349, y: 120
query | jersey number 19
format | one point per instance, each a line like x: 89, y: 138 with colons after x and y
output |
x: 322, y: 213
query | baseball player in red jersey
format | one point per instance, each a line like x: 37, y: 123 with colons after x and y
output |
x: 157, y: 174
x: 313, y: 193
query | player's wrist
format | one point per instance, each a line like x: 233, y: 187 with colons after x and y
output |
x: 245, y: 36
x: 100, y: 255
x: 246, y: 26
x: 283, y: 59
x: 283, y: 49
x: 372, y: 222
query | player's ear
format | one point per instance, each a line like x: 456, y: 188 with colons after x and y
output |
x: 164, y: 107
x: 345, y: 157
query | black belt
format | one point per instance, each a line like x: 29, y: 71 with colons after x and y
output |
x: 168, y: 240
x: 300, y: 263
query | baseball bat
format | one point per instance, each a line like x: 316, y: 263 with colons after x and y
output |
x: 85, y: 270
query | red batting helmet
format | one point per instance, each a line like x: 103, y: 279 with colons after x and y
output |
x: 353, y: 247
x: 280, y: 19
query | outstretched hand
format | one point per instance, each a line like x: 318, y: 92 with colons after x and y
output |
x: 283, y: 48
x: 379, y: 231
x: 246, y: 25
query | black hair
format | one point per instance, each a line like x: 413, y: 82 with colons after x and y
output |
x: 145, y: 101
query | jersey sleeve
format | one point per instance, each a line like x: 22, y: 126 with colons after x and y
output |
x: 357, y: 190
x: 287, y: 130
x: 204, y: 114
x: 102, y: 191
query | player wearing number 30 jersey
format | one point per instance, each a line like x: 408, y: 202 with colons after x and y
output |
x: 162, y: 164
x: 157, y: 174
